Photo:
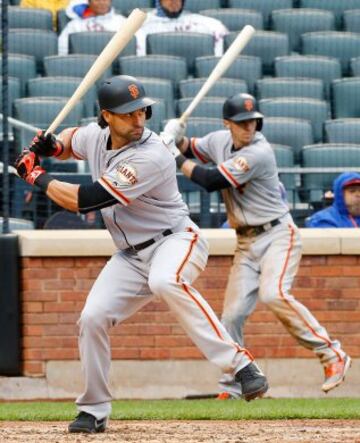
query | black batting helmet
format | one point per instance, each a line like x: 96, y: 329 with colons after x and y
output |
x: 123, y: 94
x: 241, y: 107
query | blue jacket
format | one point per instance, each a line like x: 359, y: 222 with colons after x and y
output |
x: 336, y: 215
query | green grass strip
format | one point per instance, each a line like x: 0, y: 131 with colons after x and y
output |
x: 266, y: 409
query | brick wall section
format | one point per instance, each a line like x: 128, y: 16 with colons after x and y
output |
x: 54, y: 291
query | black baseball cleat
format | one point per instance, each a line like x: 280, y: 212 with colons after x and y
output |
x: 87, y: 424
x: 253, y: 382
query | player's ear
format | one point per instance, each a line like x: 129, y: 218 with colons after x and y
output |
x: 226, y: 124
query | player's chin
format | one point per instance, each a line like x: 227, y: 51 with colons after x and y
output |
x: 136, y: 134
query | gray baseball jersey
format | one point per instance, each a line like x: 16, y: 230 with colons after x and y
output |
x: 254, y: 198
x: 142, y: 176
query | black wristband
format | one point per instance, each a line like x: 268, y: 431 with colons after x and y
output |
x: 180, y: 160
x: 43, y: 181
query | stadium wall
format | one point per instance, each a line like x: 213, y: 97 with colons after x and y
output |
x: 59, y: 267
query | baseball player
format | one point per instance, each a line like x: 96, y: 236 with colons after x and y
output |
x: 268, y: 248
x: 160, y: 250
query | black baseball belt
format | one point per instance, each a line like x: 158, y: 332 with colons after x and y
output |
x: 253, y: 231
x: 147, y: 243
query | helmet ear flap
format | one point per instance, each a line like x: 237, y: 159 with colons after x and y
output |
x: 148, y: 112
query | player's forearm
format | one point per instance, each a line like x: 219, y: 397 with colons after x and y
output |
x: 65, y: 137
x: 187, y: 168
x: 64, y: 195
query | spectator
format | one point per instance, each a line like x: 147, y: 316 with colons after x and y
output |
x: 97, y: 16
x: 52, y: 5
x: 169, y: 16
x: 345, y: 210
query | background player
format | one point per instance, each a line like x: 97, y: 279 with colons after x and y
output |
x: 160, y: 250
x: 268, y: 250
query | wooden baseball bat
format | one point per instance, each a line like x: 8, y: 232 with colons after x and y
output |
x: 232, y: 52
x: 104, y: 60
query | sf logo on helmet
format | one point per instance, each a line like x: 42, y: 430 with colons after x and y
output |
x: 134, y: 91
x: 248, y: 105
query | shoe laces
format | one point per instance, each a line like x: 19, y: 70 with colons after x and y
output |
x: 249, y: 372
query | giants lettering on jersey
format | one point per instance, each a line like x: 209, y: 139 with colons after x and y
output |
x: 241, y: 164
x: 127, y: 173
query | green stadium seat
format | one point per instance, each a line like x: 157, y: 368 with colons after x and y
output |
x: 224, y: 87
x: 316, y: 111
x: 14, y: 93
x: 73, y: 65
x: 87, y: 120
x: 346, y: 97
x: 244, y: 67
x: 336, y: 6
x: 91, y: 42
x: 294, y: 132
x: 41, y: 111
x: 183, y: 44
x: 295, y: 22
x: 166, y: 67
x: 22, y: 67
x: 160, y: 89
x: 343, y: 130
x: 36, y: 42
x: 198, y: 5
x: 61, y: 87
x: 35, y: 18
x: 201, y: 126
x: 352, y: 20
x: 61, y: 20
x: 208, y: 107
x: 124, y: 6
x: 264, y: 6
x: 355, y: 66
x: 290, y: 87
x: 264, y: 44
x: 235, y: 19
x: 342, y: 45
x: 285, y: 159
x: 322, y: 156
x: 158, y: 116
x: 324, y: 68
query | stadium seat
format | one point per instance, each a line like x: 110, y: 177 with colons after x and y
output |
x: 17, y: 224
x: 167, y: 67
x: 264, y: 6
x: 317, y: 111
x: 198, y: 5
x: 224, y: 87
x: 355, y: 66
x: 14, y: 93
x: 346, y: 97
x: 184, y: 44
x: 352, y: 20
x: 342, y: 45
x: 264, y: 44
x: 324, y: 68
x: 322, y: 156
x: 245, y: 67
x: 87, y: 120
x: 22, y: 67
x: 200, y: 126
x: 343, y: 130
x: 235, y: 19
x: 61, y: 87
x: 41, y: 111
x: 336, y: 6
x: 295, y: 22
x: 91, y: 42
x: 208, y: 107
x: 290, y: 87
x: 35, y: 18
x: 73, y: 65
x: 61, y: 20
x: 294, y: 132
x: 285, y: 159
x: 35, y: 42
x: 160, y: 89
x: 124, y: 6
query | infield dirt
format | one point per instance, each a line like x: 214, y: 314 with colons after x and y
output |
x: 241, y: 431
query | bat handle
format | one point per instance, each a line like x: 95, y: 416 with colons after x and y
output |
x: 183, y: 118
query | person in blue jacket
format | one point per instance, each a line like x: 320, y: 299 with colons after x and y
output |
x: 345, y: 210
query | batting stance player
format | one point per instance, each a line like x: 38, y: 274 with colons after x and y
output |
x: 268, y: 248
x: 160, y: 250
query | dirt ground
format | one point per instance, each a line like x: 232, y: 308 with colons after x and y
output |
x: 286, y: 431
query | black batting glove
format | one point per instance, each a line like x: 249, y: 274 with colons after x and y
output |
x: 46, y: 145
